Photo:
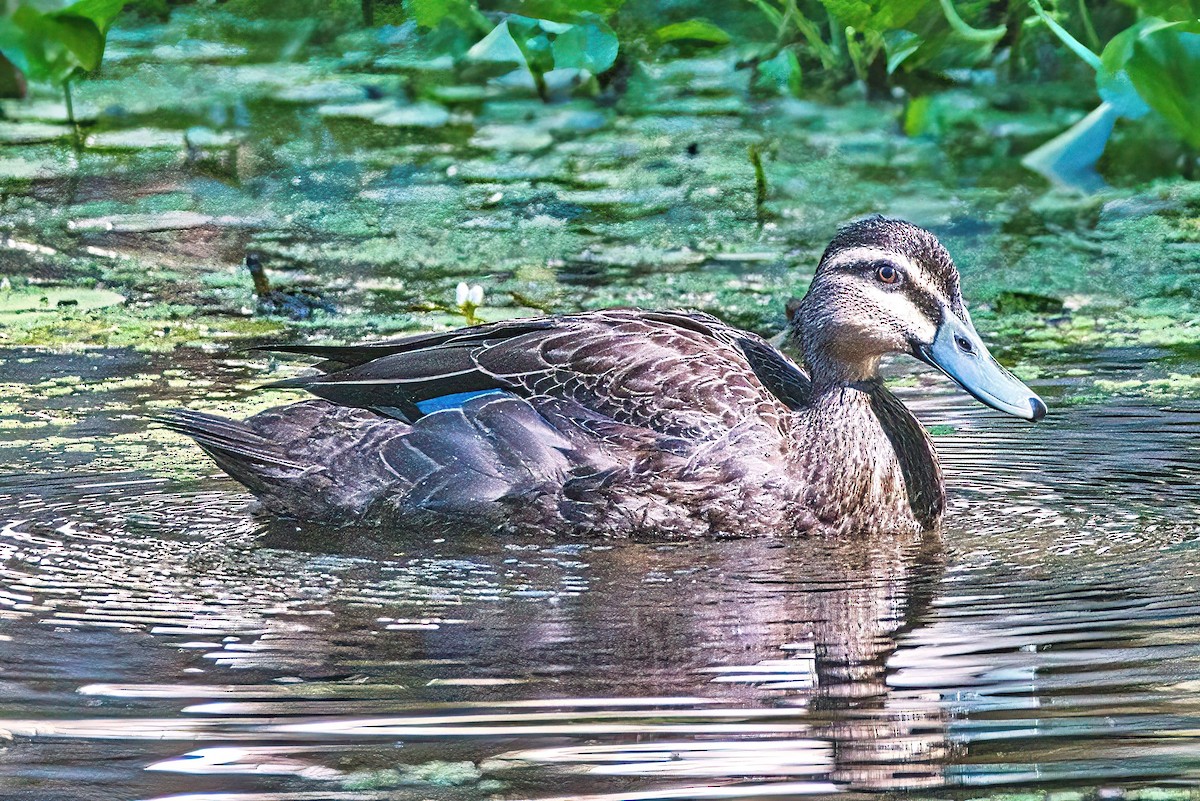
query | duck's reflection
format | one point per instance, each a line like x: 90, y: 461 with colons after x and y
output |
x: 796, y: 634
x: 762, y: 661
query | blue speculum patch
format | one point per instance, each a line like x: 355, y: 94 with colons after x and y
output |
x: 453, y: 401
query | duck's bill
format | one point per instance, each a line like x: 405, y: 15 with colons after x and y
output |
x: 958, y: 352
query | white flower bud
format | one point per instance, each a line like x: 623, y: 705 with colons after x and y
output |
x: 462, y: 294
x: 475, y: 296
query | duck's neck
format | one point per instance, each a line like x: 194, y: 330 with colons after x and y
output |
x: 865, y: 462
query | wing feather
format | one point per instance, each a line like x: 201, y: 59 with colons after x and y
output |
x: 679, y: 373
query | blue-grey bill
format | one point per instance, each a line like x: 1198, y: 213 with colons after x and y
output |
x: 958, y: 352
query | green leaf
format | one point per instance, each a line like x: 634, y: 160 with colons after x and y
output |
x: 590, y: 46
x: 696, y: 30
x: 899, y: 45
x: 498, y: 47
x: 40, y: 50
x: 56, y: 46
x: 100, y: 13
x: 1112, y: 79
x: 1165, y: 70
x: 874, y: 15
x: 432, y: 13
x: 781, y: 73
x: 1069, y: 159
x: 1170, y: 10
x: 79, y: 35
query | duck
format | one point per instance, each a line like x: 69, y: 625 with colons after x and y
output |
x: 631, y: 423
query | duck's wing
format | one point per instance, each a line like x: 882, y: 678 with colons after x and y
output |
x: 495, y: 461
x: 675, y: 373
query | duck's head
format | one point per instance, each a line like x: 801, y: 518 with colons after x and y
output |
x: 886, y: 286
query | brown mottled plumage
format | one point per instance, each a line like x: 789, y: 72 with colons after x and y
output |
x: 655, y: 425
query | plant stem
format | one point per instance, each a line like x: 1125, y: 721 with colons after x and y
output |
x: 1076, y: 47
x: 71, y: 117
x: 1089, y: 29
x: 966, y: 31
x: 811, y: 34
x: 1016, y: 23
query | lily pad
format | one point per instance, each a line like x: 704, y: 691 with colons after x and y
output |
x: 330, y: 92
x: 19, y: 169
x: 28, y: 133
x: 194, y: 50
x: 136, y: 139
x: 164, y: 221
x: 46, y: 111
x: 418, y: 115
x: 511, y: 138
x: 367, y: 109
x: 43, y: 299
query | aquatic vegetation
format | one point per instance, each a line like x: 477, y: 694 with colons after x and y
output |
x: 469, y: 299
x: 1149, y: 68
x: 56, y: 45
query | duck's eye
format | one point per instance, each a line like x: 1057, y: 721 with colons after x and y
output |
x: 887, y: 273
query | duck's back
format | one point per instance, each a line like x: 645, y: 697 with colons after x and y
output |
x: 616, y: 422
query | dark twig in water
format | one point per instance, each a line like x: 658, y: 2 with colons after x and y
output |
x: 530, y: 303
x: 760, y: 184
x: 262, y: 286
x: 296, y: 305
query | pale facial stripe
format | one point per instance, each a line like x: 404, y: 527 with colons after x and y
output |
x: 902, y: 306
x: 913, y: 272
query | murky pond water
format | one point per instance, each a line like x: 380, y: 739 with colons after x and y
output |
x: 157, y: 640
x: 160, y: 641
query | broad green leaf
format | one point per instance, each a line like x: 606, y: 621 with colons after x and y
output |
x: 899, y: 45
x: 56, y: 46
x: 432, y: 13
x: 41, y: 54
x: 1165, y: 69
x: 590, y: 45
x: 79, y: 35
x: 101, y: 13
x: 15, y: 44
x: 781, y: 73
x: 1069, y: 159
x: 874, y: 15
x: 498, y: 47
x: 1112, y: 79
x: 1170, y: 10
x: 918, y: 116
x: 697, y: 30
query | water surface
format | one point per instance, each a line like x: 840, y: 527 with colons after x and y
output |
x: 159, y: 640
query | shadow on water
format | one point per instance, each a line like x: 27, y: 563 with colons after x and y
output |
x: 160, y: 642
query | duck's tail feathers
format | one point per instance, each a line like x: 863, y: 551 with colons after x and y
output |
x: 230, y: 442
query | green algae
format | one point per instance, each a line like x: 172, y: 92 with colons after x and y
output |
x: 381, y: 191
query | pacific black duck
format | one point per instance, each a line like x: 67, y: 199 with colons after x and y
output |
x: 647, y: 424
